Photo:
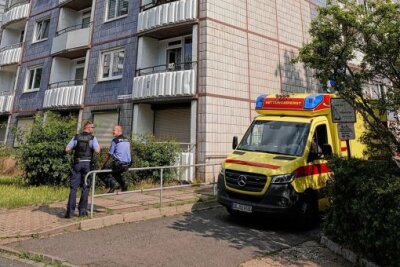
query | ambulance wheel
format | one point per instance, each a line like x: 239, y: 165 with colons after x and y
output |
x: 307, y: 212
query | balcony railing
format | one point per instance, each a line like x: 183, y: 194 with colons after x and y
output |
x: 6, y: 103
x: 165, y: 68
x: 74, y: 28
x: 155, y: 3
x: 164, y: 84
x: 64, y: 94
x: 10, y: 54
x: 16, y: 3
x: 71, y: 38
x: 17, y: 11
x: 169, y: 12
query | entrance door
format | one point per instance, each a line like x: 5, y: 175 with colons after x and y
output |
x: 79, y: 71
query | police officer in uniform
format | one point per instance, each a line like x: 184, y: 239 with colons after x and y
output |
x: 83, y: 145
x: 120, y: 153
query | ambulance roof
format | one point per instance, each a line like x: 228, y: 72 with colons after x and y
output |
x: 295, y: 104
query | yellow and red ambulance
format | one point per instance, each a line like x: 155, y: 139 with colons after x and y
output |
x: 280, y: 167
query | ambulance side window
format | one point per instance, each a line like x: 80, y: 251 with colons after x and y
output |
x: 319, y: 138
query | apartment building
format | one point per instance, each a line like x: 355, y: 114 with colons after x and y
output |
x: 188, y: 69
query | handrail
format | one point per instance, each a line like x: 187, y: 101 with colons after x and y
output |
x: 5, y: 93
x: 11, y: 46
x: 161, y: 168
x: 155, y: 3
x: 74, y: 28
x: 18, y: 3
x: 166, y: 67
x: 66, y: 83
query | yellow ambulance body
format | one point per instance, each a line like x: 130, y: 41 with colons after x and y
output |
x: 279, y: 167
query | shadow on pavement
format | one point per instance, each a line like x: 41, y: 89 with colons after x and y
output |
x: 263, y: 234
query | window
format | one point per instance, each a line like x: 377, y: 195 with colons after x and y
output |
x: 112, y: 64
x: 41, y: 30
x: 33, y: 78
x: 117, y: 8
x: 86, y: 19
x: 104, y: 122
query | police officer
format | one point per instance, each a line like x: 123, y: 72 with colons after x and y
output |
x: 83, y: 145
x: 120, y: 153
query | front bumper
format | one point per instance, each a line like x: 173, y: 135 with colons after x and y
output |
x: 280, y: 199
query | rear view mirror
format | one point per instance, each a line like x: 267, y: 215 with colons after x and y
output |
x: 327, y: 150
x: 234, y: 142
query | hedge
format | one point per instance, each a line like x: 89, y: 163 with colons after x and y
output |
x: 365, y: 208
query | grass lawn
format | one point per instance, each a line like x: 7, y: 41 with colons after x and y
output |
x: 14, y: 193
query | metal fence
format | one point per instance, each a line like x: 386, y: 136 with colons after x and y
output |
x: 161, y: 188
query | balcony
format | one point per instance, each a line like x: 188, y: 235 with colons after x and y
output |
x: 10, y: 55
x: 176, y: 81
x: 18, y: 10
x: 65, y: 94
x: 6, y: 103
x: 75, y: 4
x: 72, y: 42
x: 155, y: 16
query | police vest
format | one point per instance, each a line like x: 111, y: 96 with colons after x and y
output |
x: 82, y: 149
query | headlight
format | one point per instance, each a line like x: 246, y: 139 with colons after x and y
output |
x: 283, y: 178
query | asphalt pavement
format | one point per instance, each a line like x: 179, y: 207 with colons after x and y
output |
x: 204, y: 238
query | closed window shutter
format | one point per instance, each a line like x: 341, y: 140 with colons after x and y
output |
x: 172, y: 123
x: 24, y: 125
x: 104, y: 123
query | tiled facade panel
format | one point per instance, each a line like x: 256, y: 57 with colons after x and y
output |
x: 108, y: 91
x: 33, y: 100
x: 228, y: 11
x: 221, y: 119
x: 264, y: 66
x: 114, y: 29
x: 262, y: 18
x: 39, y: 6
x: 34, y: 50
x: 306, y: 19
x: 226, y: 61
x: 290, y: 23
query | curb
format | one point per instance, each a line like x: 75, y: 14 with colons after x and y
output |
x: 346, y: 253
x: 29, y: 255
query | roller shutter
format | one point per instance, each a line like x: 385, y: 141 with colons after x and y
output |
x: 172, y: 123
x: 104, y: 123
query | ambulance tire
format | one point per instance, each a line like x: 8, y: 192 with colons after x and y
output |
x: 307, y: 213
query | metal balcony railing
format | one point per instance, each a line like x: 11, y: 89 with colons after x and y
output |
x: 74, y: 28
x: 13, y: 46
x: 166, y: 68
x: 16, y: 3
x: 155, y: 3
x: 65, y: 84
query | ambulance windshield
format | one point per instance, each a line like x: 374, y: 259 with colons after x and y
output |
x: 276, y: 137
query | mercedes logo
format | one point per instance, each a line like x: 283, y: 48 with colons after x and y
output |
x: 242, y: 180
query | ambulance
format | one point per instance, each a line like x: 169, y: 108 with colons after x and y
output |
x: 280, y: 166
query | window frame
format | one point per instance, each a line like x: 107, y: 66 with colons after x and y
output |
x: 101, y: 65
x: 27, y: 88
x: 106, y: 19
x: 35, y: 31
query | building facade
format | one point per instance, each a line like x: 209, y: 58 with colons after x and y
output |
x: 188, y: 70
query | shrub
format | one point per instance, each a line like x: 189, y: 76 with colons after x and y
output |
x: 365, y: 214
x: 42, y: 153
x: 148, y: 152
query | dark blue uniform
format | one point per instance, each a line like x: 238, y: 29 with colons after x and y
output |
x: 83, y: 145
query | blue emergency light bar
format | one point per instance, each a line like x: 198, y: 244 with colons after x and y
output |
x: 260, y: 101
x: 312, y: 101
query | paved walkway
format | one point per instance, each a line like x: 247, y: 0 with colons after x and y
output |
x: 48, y: 219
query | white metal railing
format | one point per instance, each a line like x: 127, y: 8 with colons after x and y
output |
x: 173, y: 83
x: 65, y: 96
x: 6, y: 103
x: 161, y: 188
x: 10, y: 55
x: 16, y: 12
x: 169, y: 13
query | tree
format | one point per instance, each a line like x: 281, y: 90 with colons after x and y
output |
x: 358, y: 45
x: 43, y: 158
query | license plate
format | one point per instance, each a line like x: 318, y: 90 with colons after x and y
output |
x: 241, y: 207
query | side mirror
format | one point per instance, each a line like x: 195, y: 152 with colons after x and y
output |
x: 327, y: 150
x: 234, y: 142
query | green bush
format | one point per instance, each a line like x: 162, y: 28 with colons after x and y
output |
x: 148, y: 152
x: 6, y: 151
x: 365, y: 213
x: 42, y: 152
